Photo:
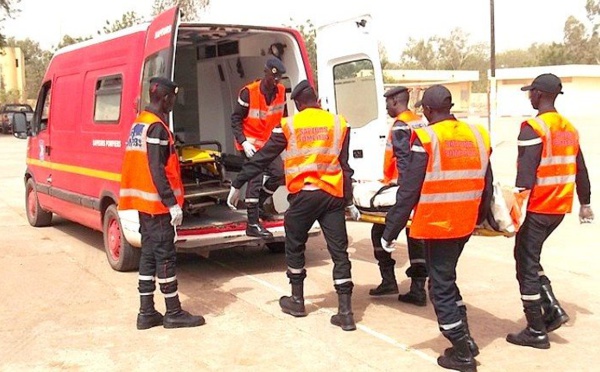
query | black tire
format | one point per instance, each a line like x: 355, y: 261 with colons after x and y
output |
x: 36, y: 215
x: 121, y: 255
x: 276, y: 247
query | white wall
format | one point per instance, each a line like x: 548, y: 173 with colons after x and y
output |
x: 581, y: 98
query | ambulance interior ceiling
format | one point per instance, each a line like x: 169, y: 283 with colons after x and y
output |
x: 212, y: 64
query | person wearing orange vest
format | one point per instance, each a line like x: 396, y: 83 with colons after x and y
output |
x: 259, y: 108
x: 550, y: 165
x: 151, y: 184
x: 449, y: 170
x: 397, y: 153
x: 318, y: 178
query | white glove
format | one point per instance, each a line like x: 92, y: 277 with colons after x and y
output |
x: 176, y: 215
x: 388, y: 246
x: 249, y: 149
x: 354, y: 212
x: 586, y: 215
x: 233, y: 198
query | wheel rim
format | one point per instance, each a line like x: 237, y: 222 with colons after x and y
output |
x: 31, y: 204
x: 114, y: 239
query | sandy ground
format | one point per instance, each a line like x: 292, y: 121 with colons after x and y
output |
x: 63, y: 308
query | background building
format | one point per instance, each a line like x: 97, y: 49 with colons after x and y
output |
x: 12, y: 73
x: 581, y: 87
x: 458, y: 82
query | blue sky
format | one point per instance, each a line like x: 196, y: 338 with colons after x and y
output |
x: 518, y: 22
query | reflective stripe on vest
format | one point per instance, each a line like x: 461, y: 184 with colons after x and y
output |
x: 555, y: 177
x: 262, y: 117
x: 390, y: 168
x: 454, y: 181
x: 137, y: 187
x: 312, y: 152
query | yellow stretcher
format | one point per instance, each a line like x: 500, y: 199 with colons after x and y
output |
x: 479, y: 230
x: 202, y: 175
x: 373, y: 199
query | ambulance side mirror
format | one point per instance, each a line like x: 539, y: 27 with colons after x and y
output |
x: 19, y: 125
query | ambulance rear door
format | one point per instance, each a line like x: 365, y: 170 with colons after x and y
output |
x: 159, y: 52
x: 350, y: 83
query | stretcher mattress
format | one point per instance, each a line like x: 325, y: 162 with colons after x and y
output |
x: 374, y: 199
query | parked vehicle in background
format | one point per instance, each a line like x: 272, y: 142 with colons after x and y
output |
x: 7, y: 111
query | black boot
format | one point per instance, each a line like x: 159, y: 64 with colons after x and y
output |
x: 344, y: 318
x: 388, y: 284
x: 460, y: 358
x: 294, y: 304
x: 176, y: 317
x: 416, y: 295
x: 554, y: 315
x: 148, y: 317
x: 470, y: 341
x: 254, y: 227
x: 534, y: 335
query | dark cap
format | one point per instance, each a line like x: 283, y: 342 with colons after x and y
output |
x: 396, y: 90
x: 548, y: 83
x: 275, y: 66
x: 164, y: 82
x: 302, y: 86
x: 436, y: 97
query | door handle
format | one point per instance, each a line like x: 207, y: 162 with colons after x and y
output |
x: 47, y: 150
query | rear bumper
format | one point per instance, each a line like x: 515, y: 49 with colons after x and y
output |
x: 209, y: 237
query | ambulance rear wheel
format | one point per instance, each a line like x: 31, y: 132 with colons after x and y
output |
x: 36, y: 215
x: 276, y: 247
x: 121, y: 255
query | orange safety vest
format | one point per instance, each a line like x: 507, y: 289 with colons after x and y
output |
x: 262, y: 118
x: 555, y: 177
x: 454, y: 181
x: 137, y: 188
x: 390, y: 169
x: 314, y: 142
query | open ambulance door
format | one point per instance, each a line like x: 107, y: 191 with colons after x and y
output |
x: 350, y: 83
x: 159, y: 52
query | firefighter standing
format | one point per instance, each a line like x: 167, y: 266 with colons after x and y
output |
x: 397, y: 153
x: 151, y: 184
x: 550, y: 165
x: 318, y: 177
x: 260, y: 107
x: 448, y: 170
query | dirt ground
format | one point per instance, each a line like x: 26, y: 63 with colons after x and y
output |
x: 64, y: 308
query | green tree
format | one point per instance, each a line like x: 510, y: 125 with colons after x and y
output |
x: 309, y: 34
x: 419, y: 55
x: 515, y: 58
x: 447, y: 53
x: 189, y: 8
x: 128, y: 19
x: 11, y: 96
x: 36, y: 61
x: 7, y: 10
x: 69, y: 40
x: 581, y: 42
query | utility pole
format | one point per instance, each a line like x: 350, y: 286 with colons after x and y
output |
x: 492, y: 78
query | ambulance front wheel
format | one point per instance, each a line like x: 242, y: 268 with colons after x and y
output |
x: 36, y: 215
x: 121, y: 255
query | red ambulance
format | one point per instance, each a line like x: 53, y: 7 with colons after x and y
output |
x: 92, y: 92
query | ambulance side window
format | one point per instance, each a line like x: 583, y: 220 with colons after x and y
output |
x: 155, y: 65
x: 42, y: 109
x: 107, y: 104
x: 356, y: 92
